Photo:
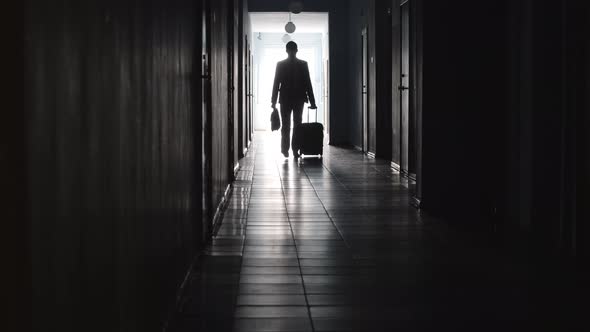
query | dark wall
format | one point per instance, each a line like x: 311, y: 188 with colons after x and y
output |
x: 520, y: 95
x: 463, y: 107
x: 339, y: 39
x: 548, y: 121
x: 583, y: 136
x: 545, y: 104
x: 502, y: 103
x: 577, y: 170
x: 222, y: 164
x: 15, y: 234
x: 111, y: 160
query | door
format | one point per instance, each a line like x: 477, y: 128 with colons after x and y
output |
x: 407, y: 117
x: 244, y: 101
x: 205, y: 137
x: 231, y: 80
x: 365, y: 89
x: 248, y: 93
x: 241, y: 92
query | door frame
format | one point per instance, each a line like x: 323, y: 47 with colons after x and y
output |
x: 406, y: 154
x: 415, y: 73
x: 242, y: 44
x: 365, y: 88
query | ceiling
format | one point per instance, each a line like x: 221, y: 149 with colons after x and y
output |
x: 275, y: 22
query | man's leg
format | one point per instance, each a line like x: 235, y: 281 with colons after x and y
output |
x: 285, y: 128
x: 297, y: 115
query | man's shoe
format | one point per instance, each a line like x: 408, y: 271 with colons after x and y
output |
x: 286, y: 154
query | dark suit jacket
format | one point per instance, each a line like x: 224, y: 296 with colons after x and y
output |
x: 293, y: 82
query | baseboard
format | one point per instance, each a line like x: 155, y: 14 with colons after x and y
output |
x: 410, y: 176
x: 218, y: 217
x: 247, y: 148
x: 346, y: 146
x: 416, y: 202
x: 402, y: 172
x: 236, y: 169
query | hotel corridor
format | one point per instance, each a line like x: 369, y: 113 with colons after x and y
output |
x: 144, y: 189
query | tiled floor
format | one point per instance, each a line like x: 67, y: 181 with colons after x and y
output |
x: 333, y: 245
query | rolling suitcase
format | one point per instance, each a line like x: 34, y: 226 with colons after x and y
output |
x: 309, y: 137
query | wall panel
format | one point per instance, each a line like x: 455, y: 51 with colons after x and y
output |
x: 112, y: 161
x: 220, y: 106
x: 462, y: 112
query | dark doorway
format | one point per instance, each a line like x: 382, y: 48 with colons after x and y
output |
x: 365, y: 89
x: 408, y: 118
x: 268, y: 47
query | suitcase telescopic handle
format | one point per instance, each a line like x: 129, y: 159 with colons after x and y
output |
x: 316, y: 114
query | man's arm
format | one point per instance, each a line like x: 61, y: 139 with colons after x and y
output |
x: 275, y: 86
x: 309, y: 88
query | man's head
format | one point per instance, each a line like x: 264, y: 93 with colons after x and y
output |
x: 292, y: 49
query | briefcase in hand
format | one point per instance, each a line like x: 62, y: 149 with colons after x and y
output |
x: 275, y: 120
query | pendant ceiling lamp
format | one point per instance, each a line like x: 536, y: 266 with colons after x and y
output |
x: 290, y: 26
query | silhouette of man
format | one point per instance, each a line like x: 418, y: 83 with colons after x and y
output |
x: 293, y: 82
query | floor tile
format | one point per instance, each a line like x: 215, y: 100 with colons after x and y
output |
x: 271, y: 300
x: 271, y: 311
x: 273, y: 325
x: 271, y: 289
x: 270, y: 279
